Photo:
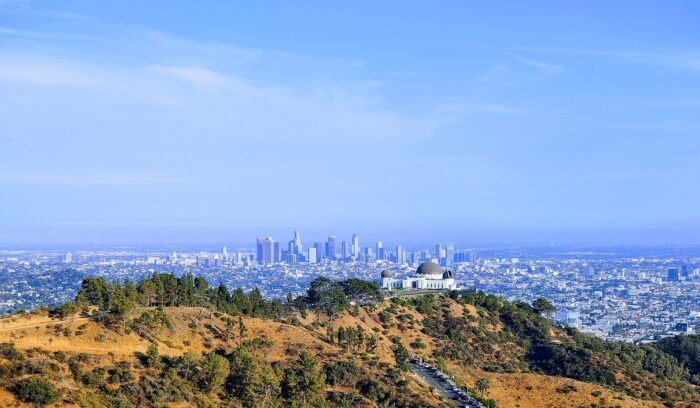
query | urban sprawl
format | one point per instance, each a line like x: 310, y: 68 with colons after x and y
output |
x: 635, y: 294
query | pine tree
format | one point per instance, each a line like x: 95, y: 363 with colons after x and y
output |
x: 401, y: 356
x: 152, y: 356
x: 215, y: 370
x: 251, y: 382
x: 371, y: 343
x: 242, y: 330
x: 302, y: 379
x: 228, y: 330
x: 329, y: 333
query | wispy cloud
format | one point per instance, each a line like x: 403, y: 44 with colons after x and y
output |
x: 520, y: 70
x: 91, y: 179
x: 545, y: 69
x: 458, y: 108
x: 496, y: 73
x: 659, y: 126
x: 497, y: 108
x: 685, y: 59
x: 678, y: 103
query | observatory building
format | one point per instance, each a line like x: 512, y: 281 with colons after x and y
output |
x: 429, y: 275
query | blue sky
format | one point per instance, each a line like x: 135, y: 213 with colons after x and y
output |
x: 218, y: 121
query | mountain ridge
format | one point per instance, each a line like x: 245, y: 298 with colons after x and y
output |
x: 358, y: 352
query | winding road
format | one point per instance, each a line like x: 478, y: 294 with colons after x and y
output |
x: 443, y: 385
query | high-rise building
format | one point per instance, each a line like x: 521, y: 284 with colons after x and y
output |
x: 415, y: 257
x: 344, y: 250
x: 439, y: 251
x: 259, y: 251
x: 400, y: 255
x: 312, y: 258
x: 369, y: 253
x: 673, y: 275
x: 380, y: 250
x: 276, y: 255
x: 298, y: 248
x: 319, y: 251
x: 355, y: 247
x: 224, y: 251
x: 266, y: 251
x: 330, y: 248
x: 449, y: 254
x: 68, y: 257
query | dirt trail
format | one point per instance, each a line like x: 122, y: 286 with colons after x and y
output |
x: 48, y: 322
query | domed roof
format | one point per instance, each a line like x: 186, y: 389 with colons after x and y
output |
x: 387, y: 274
x: 429, y: 268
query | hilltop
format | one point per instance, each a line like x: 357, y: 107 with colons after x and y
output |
x: 175, y: 342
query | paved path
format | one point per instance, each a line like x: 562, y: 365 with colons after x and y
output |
x: 444, y: 385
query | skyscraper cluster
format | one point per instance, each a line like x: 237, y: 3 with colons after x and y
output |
x: 269, y: 251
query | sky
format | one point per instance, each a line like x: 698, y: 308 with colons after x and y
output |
x: 471, y: 122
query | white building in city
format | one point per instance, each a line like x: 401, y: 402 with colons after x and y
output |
x: 429, y: 275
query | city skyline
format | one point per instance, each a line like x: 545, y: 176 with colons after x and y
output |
x: 268, y: 252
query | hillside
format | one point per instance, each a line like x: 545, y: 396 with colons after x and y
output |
x: 135, y: 345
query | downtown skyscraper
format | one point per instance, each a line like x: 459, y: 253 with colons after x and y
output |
x: 355, y: 247
x: 265, y: 250
x: 380, y: 251
x: 330, y: 248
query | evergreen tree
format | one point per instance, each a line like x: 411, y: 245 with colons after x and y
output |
x: 248, y: 382
x: 185, y: 290
x: 120, y: 305
x: 200, y: 290
x: 215, y: 370
x: 371, y: 343
x: 187, y: 364
x: 302, y: 379
x: 543, y: 306
x: 147, y: 292
x: 242, y: 330
x: 228, y: 329
x: 401, y: 356
x: 330, y: 335
x: 153, y: 356
x: 257, y: 303
x: 94, y: 292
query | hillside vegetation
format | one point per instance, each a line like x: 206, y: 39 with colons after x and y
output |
x: 177, y: 342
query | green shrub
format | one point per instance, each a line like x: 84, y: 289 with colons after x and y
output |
x: 37, y: 390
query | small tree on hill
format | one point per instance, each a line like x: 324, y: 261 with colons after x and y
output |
x: 215, y: 369
x: 544, y: 306
x: 242, y: 330
x: 120, y: 305
x: 228, y: 329
x: 482, y: 385
x: 401, y: 355
x: 302, y: 379
x: 187, y: 364
x: 153, y: 356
